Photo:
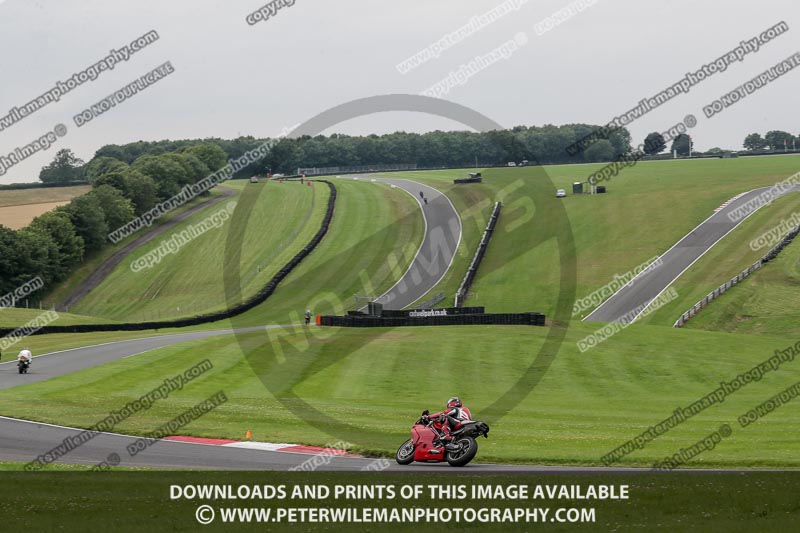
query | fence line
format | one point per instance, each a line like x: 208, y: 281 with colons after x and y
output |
x: 719, y: 291
x: 466, y: 284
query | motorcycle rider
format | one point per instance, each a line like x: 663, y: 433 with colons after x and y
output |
x: 449, y: 419
x: 25, y: 356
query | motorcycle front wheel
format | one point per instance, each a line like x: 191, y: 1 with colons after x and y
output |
x: 467, y: 448
x: 405, y: 453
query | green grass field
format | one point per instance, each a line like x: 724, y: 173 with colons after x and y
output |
x: 373, y: 237
x: 190, y: 280
x: 91, y: 262
x: 766, y: 304
x: 275, y: 225
x: 367, y: 386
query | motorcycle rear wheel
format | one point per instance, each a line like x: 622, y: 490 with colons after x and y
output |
x: 467, y: 448
x: 405, y: 453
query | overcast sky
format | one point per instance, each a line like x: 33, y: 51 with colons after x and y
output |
x: 232, y: 78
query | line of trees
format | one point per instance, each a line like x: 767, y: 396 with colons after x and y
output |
x: 774, y: 140
x: 545, y: 145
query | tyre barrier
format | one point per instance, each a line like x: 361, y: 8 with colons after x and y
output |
x: 472, y: 271
x: 365, y: 321
x: 257, y: 299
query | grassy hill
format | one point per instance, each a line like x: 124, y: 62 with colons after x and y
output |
x: 374, y: 235
x: 282, y: 219
x: 647, y: 209
x: 277, y: 220
x: 91, y: 262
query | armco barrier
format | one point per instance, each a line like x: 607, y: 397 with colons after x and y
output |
x: 466, y: 284
x: 248, y: 304
x: 510, y: 319
x: 719, y: 291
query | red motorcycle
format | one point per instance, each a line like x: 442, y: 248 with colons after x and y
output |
x: 424, y: 444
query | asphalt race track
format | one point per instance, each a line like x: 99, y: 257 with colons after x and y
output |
x: 23, y: 441
x: 631, y: 299
x: 438, y: 248
x: 55, y: 364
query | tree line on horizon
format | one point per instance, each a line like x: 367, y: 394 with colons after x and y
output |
x: 775, y: 140
x: 543, y: 145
